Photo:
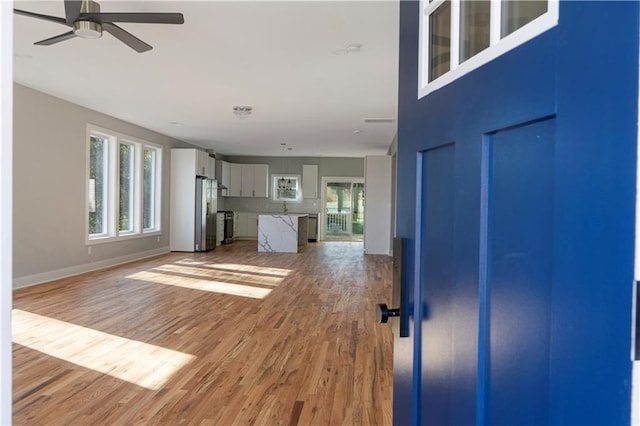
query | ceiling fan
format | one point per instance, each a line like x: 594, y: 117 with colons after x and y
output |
x: 86, y: 21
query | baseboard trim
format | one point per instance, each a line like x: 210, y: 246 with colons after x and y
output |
x: 35, y: 279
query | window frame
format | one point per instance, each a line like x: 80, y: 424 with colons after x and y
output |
x: 133, y: 189
x: 274, y: 187
x: 112, y: 179
x: 497, y: 45
x: 157, y: 190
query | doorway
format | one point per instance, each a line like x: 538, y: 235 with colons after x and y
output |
x: 343, y: 200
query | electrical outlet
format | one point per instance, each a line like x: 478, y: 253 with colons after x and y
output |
x: 158, y: 238
x: 89, y: 250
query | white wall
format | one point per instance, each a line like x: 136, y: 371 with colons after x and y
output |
x: 49, y: 190
x: 377, y: 208
x: 6, y: 141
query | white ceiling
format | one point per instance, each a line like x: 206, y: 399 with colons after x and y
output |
x: 274, y: 56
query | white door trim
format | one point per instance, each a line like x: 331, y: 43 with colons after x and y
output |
x: 6, y: 207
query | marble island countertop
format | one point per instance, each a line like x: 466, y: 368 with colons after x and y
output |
x: 282, y: 232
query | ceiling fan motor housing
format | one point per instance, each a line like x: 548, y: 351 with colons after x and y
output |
x: 88, y: 29
x: 86, y: 21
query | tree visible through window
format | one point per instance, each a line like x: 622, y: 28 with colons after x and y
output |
x: 125, y: 220
x: 148, y: 189
x: 97, y: 185
x: 124, y: 185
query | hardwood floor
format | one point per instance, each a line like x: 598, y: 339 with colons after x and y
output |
x: 226, y: 337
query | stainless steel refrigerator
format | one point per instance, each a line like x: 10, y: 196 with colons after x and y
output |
x: 206, y: 210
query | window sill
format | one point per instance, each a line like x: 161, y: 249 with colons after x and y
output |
x: 119, y: 238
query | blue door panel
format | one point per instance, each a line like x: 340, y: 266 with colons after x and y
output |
x: 572, y: 271
x: 519, y: 253
x: 437, y: 276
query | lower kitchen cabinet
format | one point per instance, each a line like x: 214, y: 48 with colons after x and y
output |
x: 246, y: 225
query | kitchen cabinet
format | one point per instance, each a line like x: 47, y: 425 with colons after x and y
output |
x: 203, y: 164
x: 260, y: 180
x: 223, y: 176
x: 246, y: 183
x: 235, y: 179
x: 195, y: 162
x: 212, y: 168
x: 219, y: 228
x: 249, y: 180
x: 246, y: 225
x: 309, y: 181
x: 252, y: 225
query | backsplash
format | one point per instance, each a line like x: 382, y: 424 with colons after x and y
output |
x: 265, y: 205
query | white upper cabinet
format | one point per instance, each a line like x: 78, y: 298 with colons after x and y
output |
x: 211, y: 172
x: 199, y: 162
x: 310, y: 181
x: 260, y: 180
x: 235, y: 179
x: 248, y: 180
x: 203, y: 168
x: 223, y: 176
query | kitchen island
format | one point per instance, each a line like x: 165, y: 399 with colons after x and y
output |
x: 282, y: 233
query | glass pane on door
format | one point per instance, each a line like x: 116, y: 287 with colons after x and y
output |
x: 344, y: 211
x: 357, y: 206
x: 518, y: 13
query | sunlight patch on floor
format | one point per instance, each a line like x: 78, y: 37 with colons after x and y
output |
x: 234, y: 267
x: 206, y: 271
x: 136, y: 362
x: 204, y: 285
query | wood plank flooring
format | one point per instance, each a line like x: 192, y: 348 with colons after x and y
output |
x: 220, y: 338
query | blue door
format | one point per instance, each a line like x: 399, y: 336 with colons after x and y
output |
x: 516, y: 194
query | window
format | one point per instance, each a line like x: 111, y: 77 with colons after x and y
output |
x: 127, y: 191
x: 98, y: 195
x: 457, y: 36
x: 286, y: 188
x: 150, y: 208
x: 123, y: 186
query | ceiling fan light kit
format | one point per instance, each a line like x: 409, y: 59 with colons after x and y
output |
x: 87, y: 29
x: 242, y: 111
x: 86, y: 21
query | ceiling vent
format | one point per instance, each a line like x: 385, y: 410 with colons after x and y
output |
x: 379, y: 120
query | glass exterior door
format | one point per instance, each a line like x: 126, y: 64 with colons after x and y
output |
x: 344, y: 211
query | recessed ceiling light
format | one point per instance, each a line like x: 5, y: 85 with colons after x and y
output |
x: 176, y: 123
x: 22, y: 56
x: 357, y: 131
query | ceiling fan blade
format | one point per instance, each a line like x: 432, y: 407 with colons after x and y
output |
x: 40, y: 16
x: 141, y: 18
x: 72, y: 10
x: 127, y: 38
x: 56, y: 39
